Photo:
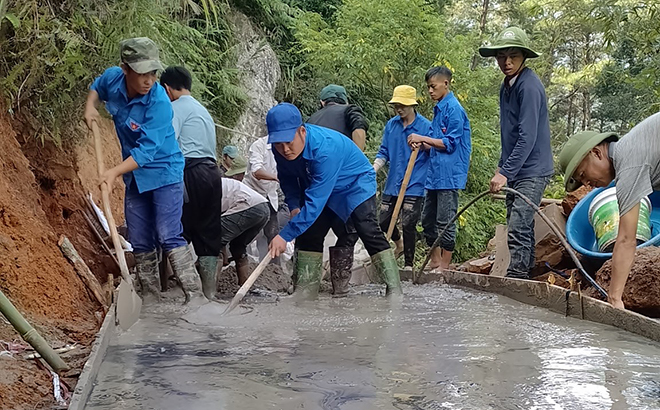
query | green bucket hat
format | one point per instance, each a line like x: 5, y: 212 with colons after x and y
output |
x: 238, y: 166
x: 575, y: 150
x: 334, y: 91
x: 141, y: 54
x: 509, y: 38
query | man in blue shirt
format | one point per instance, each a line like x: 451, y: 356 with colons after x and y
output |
x: 327, y: 181
x: 195, y: 132
x: 526, y: 160
x: 152, y: 168
x: 450, y: 147
x: 395, y: 149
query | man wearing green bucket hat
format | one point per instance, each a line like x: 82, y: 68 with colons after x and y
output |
x: 526, y: 159
x: 596, y: 159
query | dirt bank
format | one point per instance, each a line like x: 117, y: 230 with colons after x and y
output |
x: 273, y: 279
x: 40, y: 191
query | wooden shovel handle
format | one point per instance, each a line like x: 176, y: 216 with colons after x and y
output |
x: 105, y: 195
x: 402, y: 192
x: 248, y: 284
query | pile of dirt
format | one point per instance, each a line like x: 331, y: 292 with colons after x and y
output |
x: 273, y: 279
x: 572, y: 198
x: 642, y: 291
x: 40, y: 193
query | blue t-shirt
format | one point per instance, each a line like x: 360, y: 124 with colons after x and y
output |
x: 525, y: 129
x: 144, y: 128
x: 331, y: 171
x: 448, y: 168
x: 396, y: 150
x: 194, y: 128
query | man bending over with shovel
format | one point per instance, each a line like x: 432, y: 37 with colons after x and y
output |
x: 327, y: 181
x: 596, y: 160
x: 152, y: 168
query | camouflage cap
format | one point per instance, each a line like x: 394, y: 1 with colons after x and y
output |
x: 141, y: 54
x: 334, y: 91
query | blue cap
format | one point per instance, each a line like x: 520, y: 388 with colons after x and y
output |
x: 230, y: 151
x: 283, y: 120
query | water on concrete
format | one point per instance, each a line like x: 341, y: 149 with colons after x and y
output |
x: 441, y: 348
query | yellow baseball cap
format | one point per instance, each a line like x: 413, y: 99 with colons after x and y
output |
x: 404, y: 95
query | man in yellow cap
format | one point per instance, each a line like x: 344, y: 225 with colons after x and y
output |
x: 596, y: 159
x: 395, y: 149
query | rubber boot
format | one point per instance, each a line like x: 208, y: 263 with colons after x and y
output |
x: 341, y: 269
x: 385, y: 265
x: 308, y: 271
x: 242, y: 269
x: 208, y: 266
x: 183, y: 267
x: 146, y: 267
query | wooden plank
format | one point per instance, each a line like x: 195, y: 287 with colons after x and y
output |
x: 82, y: 270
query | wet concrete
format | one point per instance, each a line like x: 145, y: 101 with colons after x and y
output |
x: 441, y: 348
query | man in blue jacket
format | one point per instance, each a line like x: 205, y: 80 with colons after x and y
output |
x: 152, y: 168
x: 526, y: 160
x: 327, y: 182
x: 395, y: 149
x: 450, y: 148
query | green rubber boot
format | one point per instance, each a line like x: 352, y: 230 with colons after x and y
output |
x: 184, y: 268
x: 208, y: 266
x: 308, y: 271
x: 385, y: 265
x: 146, y: 267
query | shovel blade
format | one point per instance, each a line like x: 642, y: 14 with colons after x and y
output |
x: 128, y: 305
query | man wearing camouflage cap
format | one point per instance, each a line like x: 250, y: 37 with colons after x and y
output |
x: 596, y: 159
x: 526, y: 159
x: 152, y: 166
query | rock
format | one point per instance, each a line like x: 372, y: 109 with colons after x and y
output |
x: 642, y: 291
x: 482, y: 265
x: 572, y: 198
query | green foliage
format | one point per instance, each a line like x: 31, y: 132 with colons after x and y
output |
x: 52, y: 56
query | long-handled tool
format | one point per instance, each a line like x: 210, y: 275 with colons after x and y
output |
x: 129, y: 303
x: 402, y: 192
x: 547, y: 220
x: 248, y: 284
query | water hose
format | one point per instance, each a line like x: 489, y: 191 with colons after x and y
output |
x: 551, y: 224
x: 30, y: 335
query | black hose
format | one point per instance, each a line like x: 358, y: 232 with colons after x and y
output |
x: 551, y: 224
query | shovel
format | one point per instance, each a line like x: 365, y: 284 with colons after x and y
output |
x: 128, y: 304
x: 402, y: 192
x: 248, y: 284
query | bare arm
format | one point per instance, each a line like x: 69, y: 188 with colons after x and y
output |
x: 262, y: 174
x: 623, y: 255
x: 428, y: 141
x: 359, y: 137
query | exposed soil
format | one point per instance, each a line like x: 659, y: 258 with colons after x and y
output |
x: 572, y: 198
x: 642, y: 291
x: 40, y: 198
x: 273, y: 279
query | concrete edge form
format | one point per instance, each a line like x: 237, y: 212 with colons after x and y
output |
x: 552, y: 297
x: 90, y: 370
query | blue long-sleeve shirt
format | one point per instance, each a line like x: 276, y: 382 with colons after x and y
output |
x: 525, y: 129
x: 395, y: 149
x: 448, y: 168
x: 145, y: 131
x: 331, y: 171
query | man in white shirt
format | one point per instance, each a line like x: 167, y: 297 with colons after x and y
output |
x: 261, y: 176
x: 195, y: 133
x: 244, y: 214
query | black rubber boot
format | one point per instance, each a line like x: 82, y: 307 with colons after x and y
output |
x: 341, y: 266
x: 242, y: 269
x: 183, y: 267
x: 146, y: 267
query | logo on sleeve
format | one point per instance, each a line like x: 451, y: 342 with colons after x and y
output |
x: 133, y: 125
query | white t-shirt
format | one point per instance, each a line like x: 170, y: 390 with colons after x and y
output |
x: 237, y: 197
x: 261, y: 157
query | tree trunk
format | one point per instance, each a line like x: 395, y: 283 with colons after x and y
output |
x: 482, y: 29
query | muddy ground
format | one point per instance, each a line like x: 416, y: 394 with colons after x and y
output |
x: 272, y: 279
x: 41, y: 186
